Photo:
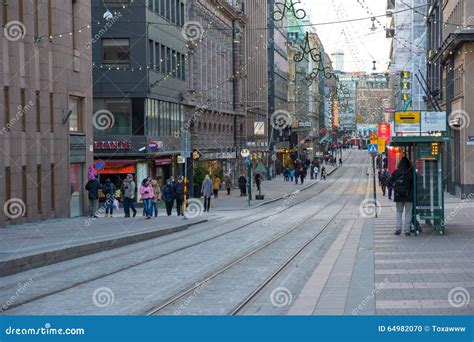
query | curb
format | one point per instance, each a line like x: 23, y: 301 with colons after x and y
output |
x: 29, y: 262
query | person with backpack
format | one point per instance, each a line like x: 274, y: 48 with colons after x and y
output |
x: 109, y: 191
x: 402, y: 180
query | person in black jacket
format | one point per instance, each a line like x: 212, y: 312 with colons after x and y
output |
x: 179, y: 194
x: 243, y: 185
x: 93, y: 186
x: 402, y: 181
x: 109, y: 192
x: 168, y: 195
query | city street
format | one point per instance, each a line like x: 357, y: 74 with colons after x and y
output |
x: 318, y: 251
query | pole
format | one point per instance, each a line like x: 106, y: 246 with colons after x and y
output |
x: 375, y: 186
x: 249, y: 175
x: 185, y: 173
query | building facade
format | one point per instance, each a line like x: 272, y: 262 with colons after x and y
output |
x: 46, y: 109
x: 216, y: 86
x: 140, y: 58
x: 449, y: 83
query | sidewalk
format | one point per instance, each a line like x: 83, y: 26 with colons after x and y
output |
x: 427, y: 274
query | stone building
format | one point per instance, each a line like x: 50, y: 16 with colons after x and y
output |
x: 46, y: 109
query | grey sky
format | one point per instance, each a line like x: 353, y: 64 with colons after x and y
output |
x: 359, y: 43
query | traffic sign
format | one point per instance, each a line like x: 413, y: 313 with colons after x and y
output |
x: 99, y: 165
x: 373, y: 149
x: 373, y: 136
x: 181, y: 160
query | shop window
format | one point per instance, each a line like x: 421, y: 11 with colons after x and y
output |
x: 76, y: 186
x: 76, y: 114
x: 116, y: 51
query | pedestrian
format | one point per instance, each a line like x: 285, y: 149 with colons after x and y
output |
x: 228, y: 183
x: 93, y: 186
x: 168, y: 195
x: 128, y: 193
x: 311, y: 171
x: 206, y: 191
x: 316, y: 172
x: 286, y: 174
x: 147, y: 193
x: 340, y: 161
x: 156, y: 196
x: 402, y: 180
x: 297, y: 175
x: 389, y: 184
x: 323, y: 173
x: 216, y: 185
x: 303, y: 174
x: 258, y: 181
x: 179, y: 194
x: 383, y: 182
x: 109, y: 192
x: 243, y: 185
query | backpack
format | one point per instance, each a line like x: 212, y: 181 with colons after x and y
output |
x: 402, y: 185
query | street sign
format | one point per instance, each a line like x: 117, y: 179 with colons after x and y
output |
x: 245, y: 153
x: 99, y: 165
x: 274, y: 157
x: 373, y: 136
x: 373, y: 149
x: 181, y: 160
x: 433, y: 121
x: 381, y: 145
x: 185, y: 143
x: 407, y: 121
x: 196, y: 155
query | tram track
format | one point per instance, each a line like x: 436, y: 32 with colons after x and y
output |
x: 188, y: 246
x: 200, y: 284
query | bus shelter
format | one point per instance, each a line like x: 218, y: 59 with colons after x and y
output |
x: 425, y: 153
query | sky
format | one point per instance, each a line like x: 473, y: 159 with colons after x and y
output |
x: 360, y: 44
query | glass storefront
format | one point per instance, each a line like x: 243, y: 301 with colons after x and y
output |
x: 76, y: 173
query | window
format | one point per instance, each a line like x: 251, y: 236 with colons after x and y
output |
x: 181, y: 15
x: 115, y: 51
x: 173, y: 10
x: 75, y: 115
x: 150, y: 4
x: 162, y: 7
x: 177, y: 12
x: 24, y: 187
x: 6, y: 106
x: 157, y: 6
x: 5, y: 12
x: 73, y: 24
x: 23, y: 105
x: 39, y: 198
x: 38, y: 111
x: 36, y: 18
x: 20, y: 11
x: 122, y: 118
x: 163, y: 59
x: 157, y: 57
x: 173, y: 63
x: 168, y: 60
x: 52, y: 177
x: 168, y: 9
x: 183, y: 67
x: 51, y: 112
x: 151, y: 49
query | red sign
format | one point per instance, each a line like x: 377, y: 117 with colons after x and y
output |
x: 118, y: 168
x: 112, y: 145
x: 384, y: 131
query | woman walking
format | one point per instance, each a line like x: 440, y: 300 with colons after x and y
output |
x: 206, y: 190
x: 148, y: 194
x: 216, y: 185
x: 157, y: 196
x: 109, y: 192
x: 228, y: 183
x: 402, y: 180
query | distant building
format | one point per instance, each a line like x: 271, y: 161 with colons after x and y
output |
x: 338, y: 60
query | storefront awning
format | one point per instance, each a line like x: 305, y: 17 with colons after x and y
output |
x: 163, y: 161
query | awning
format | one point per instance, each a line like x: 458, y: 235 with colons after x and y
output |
x: 163, y: 161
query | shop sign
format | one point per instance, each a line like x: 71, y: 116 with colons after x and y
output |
x: 112, y: 145
x: 384, y: 131
x: 196, y: 155
x: 306, y: 124
x: 119, y: 168
x: 259, y: 128
x: 181, y: 160
x: 470, y: 141
x: 155, y: 145
x: 433, y: 121
x: 163, y: 161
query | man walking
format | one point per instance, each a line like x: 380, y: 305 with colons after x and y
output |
x: 402, y: 180
x: 206, y: 190
x: 92, y: 188
x: 179, y: 196
x: 128, y: 192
